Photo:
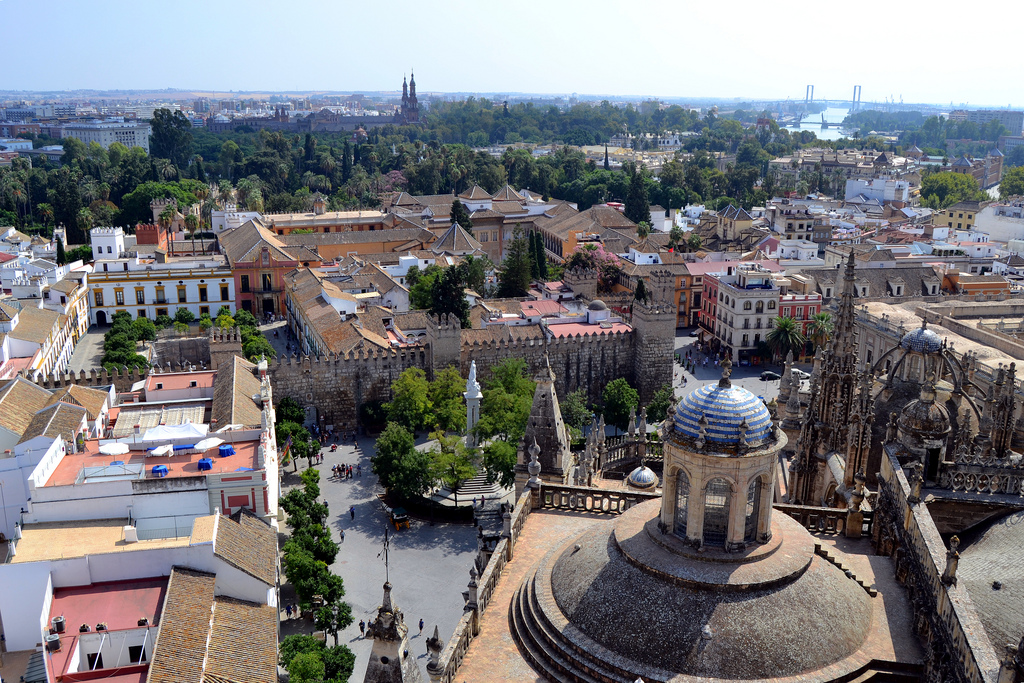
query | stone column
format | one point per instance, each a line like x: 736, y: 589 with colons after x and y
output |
x: 473, y: 396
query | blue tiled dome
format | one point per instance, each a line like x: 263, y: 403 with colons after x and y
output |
x: 642, y: 478
x: 922, y: 339
x: 725, y: 408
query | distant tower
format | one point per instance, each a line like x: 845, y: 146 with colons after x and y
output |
x: 410, y: 112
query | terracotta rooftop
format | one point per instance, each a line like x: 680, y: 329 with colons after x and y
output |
x: 233, y: 392
x: 59, y: 420
x: 186, y: 465
x: 20, y: 400
x: 248, y: 543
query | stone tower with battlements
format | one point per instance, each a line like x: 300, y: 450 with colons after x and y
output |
x: 445, y: 339
x: 582, y: 281
x: 654, y: 326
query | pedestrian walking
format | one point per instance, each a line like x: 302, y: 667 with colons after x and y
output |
x: 362, y: 627
x: 359, y: 470
x: 350, y: 471
x: 421, y: 627
x: 352, y: 511
x: 342, y: 535
x: 288, y: 610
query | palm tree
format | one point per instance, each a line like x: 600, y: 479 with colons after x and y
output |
x: 694, y: 242
x: 821, y: 328
x: 785, y: 337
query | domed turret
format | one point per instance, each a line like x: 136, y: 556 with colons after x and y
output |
x: 642, y: 478
x: 724, y: 415
x: 922, y: 340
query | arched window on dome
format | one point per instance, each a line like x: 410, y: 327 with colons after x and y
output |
x: 717, y: 497
x: 682, y: 503
x: 753, y: 513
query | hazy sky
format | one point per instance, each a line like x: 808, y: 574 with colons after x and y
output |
x: 641, y: 47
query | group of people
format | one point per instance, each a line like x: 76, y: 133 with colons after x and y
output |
x: 342, y: 471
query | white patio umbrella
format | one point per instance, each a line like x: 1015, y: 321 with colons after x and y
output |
x: 207, y: 444
x: 114, y: 449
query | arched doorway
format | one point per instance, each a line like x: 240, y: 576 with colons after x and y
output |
x: 682, y: 503
x: 101, y: 318
x: 716, y: 512
x: 753, y: 511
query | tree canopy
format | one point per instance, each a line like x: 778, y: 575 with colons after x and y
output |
x: 619, y: 398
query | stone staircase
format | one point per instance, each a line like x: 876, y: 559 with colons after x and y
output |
x: 547, y: 650
x: 824, y: 553
x: 471, y: 490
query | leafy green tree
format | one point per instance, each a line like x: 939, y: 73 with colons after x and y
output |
x: 694, y: 242
x: 619, y: 398
x: 939, y: 190
x: 410, y: 400
x: 446, y: 400
x: 144, y: 329
x: 256, y: 347
x: 293, y: 645
x: 244, y: 318
x: 402, y: 469
x: 62, y: 257
x: 289, y: 410
x: 333, y: 618
x: 460, y: 215
x: 474, y: 272
x: 449, y: 297
x: 1012, y: 183
x: 162, y: 322
x: 205, y: 322
x: 183, y: 315
x: 514, y: 276
x: 575, y: 411
x: 499, y: 462
x: 675, y: 237
x: 421, y: 295
x: 785, y: 337
x: 453, y: 463
x: 224, y: 322
x: 180, y: 328
x: 171, y: 137
x: 657, y: 409
x: 638, y: 206
x: 339, y: 662
x: 306, y: 667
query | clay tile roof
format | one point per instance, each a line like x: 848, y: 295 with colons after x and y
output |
x: 509, y: 207
x: 236, y: 658
x: 456, y: 239
x: 7, y: 312
x: 475, y: 192
x: 233, y: 389
x: 249, y: 544
x: 358, y: 237
x: 35, y: 325
x: 20, y: 400
x: 58, y: 421
x: 181, y: 642
x: 90, y: 399
x: 245, y: 243
x: 507, y: 194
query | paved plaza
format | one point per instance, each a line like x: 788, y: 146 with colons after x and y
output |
x: 429, y: 565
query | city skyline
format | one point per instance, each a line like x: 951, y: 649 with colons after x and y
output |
x: 672, y: 51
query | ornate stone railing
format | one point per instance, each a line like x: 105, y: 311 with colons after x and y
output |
x: 944, y: 613
x: 823, y: 520
x: 480, y: 592
x: 974, y: 474
x: 585, y: 499
x: 453, y: 653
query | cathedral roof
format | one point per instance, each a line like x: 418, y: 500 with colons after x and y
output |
x: 724, y: 409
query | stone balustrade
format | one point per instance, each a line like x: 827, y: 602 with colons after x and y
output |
x: 585, y: 499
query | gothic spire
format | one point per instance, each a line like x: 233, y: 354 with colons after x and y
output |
x: 844, y: 342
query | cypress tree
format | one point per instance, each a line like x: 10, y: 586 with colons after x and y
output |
x: 534, y: 265
x: 61, y: 256
x: 542, y: 259
x: 514, y: 278
x: 638, y: 207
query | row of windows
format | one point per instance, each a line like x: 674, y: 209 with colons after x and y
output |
x: 140, y: 296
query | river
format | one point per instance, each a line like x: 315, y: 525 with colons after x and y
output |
x: 812, y: 122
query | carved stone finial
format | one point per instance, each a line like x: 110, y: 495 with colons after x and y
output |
x: 726, y: 373
x: 435, y: 646
x: 952, y: 560
x: 916, y: 481
x: 702, y: 433
x: 534, y: 466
